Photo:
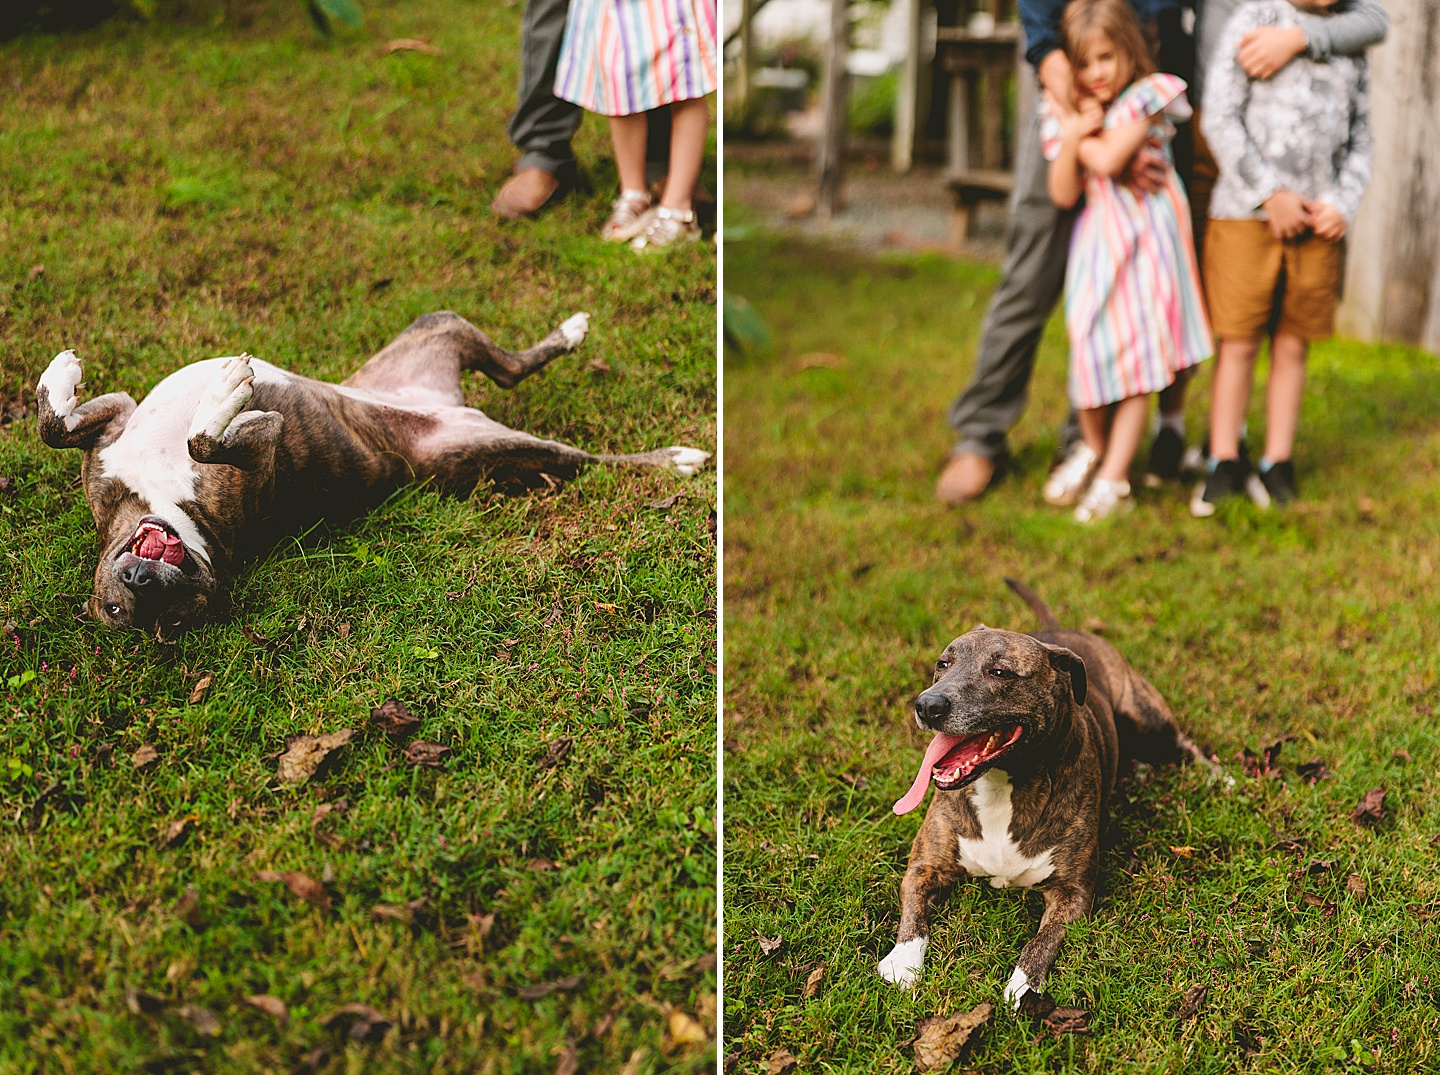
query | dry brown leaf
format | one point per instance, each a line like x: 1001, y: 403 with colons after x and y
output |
x: 409, y: 44
x: 539, y: 865
x: 321, y: 812
x: 544, y: 989
x: 781, y: 1060
x: 402, y: 913
x: 601, y: 606
x: 1182, y: 852
x: 1190, y: 1003
x: 272, y: 1006
x: 343, y: 631
x: 686, y: 1028
x: 812, y: 983
x: 425, y: 753
x: 598, y: 366
x: 394, y: 719
x: 145, y: 759
x: 1067, y: 1021
x: 197, y: 695
x: 769, y: 944
x: 1371, y: 807
x: 668, y: 502
x: 143, y: 1003
x: 366, y: 1024
x: 556, y: 754
x: 201, y: 1019
x: 306, y: 887
x: 569, y: 1061
x: 819, y: 360
x: 1356, y: 886
x: 177, y: 831
x: 306, y: 753
x: 187, y: 908
x: 940, y: 1041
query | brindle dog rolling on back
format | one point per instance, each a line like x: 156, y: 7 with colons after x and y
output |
x: 227, y: 455
x: 1030, y: 731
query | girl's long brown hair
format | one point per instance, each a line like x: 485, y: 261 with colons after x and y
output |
x: 1083, y: 19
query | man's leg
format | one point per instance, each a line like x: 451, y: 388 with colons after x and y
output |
x: 543, y: 124
x: 1037, y: 247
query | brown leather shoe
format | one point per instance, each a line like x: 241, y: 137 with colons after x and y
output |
x: 964, y: 478
x: 525, y: 194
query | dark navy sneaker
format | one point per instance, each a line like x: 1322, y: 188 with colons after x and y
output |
x: 1228, y: 479
x: 1279, y: 482
x: 1166, y: 452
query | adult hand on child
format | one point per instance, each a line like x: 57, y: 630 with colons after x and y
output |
x: 1266, y: 49
x: 1329, y: 223
x: 1059, y: 83
x: 1288, y: 215
x: 1147, y: 170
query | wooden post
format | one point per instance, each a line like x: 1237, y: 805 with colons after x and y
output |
x: 907, y: 94
x: 832, y: 141
x: 745, y: 75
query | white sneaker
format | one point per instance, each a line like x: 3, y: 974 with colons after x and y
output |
x: 1104, y: 498
x: 1070, y: 478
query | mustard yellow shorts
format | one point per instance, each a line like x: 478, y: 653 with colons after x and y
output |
x: 1253, y: 280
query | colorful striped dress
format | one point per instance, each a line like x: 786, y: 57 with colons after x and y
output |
x: 1133, y: 306
x: 620, y: 57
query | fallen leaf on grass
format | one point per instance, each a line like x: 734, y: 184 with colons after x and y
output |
x: 1313, y: 771
x: 403, y: 913
x: 859, y: 783
x: 145, y: 759
x: 177, y: 831
x: 781, y: 1060
x: 146, y: 1003
x: 272, y: 1006
x: 1067, y: 1021
x: 816, y: 360
x: 1265, y: 762
x: 812, y: 983
x: 569, y: 1061
x: 1319, y: 865
x: 394, y: 719
x: 1096, y: 626
x: 1182, y: 852
x: 539, y: 865
x: 1402, y: 756
x: 598, y: 366
x: 769, y: 944
x: 686, y: 1028
x: 425, y: 753
x: 343, y: 631
x: 544, y: 989
x: 201, y: 1019
x: 306, y: 753
x: 409, y: 44
x: 940, y: 1041
x: 556, y: 754
x: 1190, y: 1003
x: 1371, y: 807
x: 366, y: 1024
x: 1357, y: 888
x: 198, y: 693
x: 314, y: 1060
x: 1313, y: 900
x: 306, y: 887
x: 187, y: 908
x: 321, y: 812
x: 668, y: 503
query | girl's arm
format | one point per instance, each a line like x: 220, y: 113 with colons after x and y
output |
x: 1064, y: 180
x: 1110, y: 152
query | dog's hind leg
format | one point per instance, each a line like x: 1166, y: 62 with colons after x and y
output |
x: 1147, y: 729
x: 429, y: 355
x: 932, y: 869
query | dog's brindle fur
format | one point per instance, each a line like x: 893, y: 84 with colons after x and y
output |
x: 232, y: 454
x: 1083, y: 709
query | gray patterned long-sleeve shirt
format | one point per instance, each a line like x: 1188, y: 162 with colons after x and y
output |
x: 1306, y: 130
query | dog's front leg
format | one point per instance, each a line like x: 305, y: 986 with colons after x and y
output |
x: 932, y: 869
x: 220, y: 431
x: 1065, y: 902
x: 63, y: 424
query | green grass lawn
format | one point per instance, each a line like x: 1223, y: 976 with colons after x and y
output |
x: 844, y: 579
x: 175, y: 193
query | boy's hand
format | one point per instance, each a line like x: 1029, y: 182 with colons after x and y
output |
x: 1289, y: 218
x: 1329, y: 224
x: 1266, y: 49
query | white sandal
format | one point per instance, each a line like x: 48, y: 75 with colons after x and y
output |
x: 667, y: 227
x: 1103, y: 499
x: 629, y: 215
x: 1070, y: 479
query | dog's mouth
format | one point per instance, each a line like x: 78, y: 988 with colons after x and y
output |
x: 952, y: 761
x: 154, y: 539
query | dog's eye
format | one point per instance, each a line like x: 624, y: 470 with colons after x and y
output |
x: 113, y: 610
x: 942, y: 664
x: 1000, y: 673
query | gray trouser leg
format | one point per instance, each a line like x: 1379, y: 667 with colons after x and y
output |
x: 1034, y: 274
x: 543, y: 124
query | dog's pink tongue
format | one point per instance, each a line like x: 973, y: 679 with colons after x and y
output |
x: 941, y: 745
x: 157, y: 545
x: 174, y: 550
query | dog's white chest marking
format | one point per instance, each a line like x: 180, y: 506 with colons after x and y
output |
x: 995, y: 855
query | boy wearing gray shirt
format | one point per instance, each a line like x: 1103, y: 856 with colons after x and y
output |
x: 1294, y: 155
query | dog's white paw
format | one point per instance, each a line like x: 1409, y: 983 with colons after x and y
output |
x: 687, y: 461
x: 902, y: 966
x: 224, y: 397
x: 1016, y: 989
x: 574, y: 330
x: 59, y: 381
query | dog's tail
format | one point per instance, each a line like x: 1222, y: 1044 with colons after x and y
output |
x: 1048, y: 622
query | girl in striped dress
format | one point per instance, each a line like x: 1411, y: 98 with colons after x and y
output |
x: 1133, y: 306
x: 622, y: 58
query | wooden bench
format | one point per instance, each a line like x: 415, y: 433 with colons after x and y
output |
x: 967, y: 190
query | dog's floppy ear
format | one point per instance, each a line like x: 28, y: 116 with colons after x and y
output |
x: 1068, y: 661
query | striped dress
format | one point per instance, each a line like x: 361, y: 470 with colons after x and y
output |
x: 1133, y: 306
x: 620, y: 57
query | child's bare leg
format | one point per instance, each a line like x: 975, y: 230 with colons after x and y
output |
x: 628, y: 135
x: 1230, y: 395
x: 1283, y: 395
x: 1172, y: 399
x: 1126, y: 428
x: 689, y: 123
x: 1095, y: 428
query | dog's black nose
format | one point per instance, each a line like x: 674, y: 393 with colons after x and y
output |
x: 136, y: 576
x: 931, y: 708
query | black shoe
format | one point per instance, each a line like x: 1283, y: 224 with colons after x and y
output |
x: 1279, y: 482
x: 1227, y: 480
x: 1166, y: 451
